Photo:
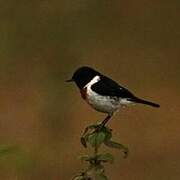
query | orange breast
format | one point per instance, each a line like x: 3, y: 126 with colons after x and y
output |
x: 84, y: 93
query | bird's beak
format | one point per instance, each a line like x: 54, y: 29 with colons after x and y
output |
x: 69, y: 80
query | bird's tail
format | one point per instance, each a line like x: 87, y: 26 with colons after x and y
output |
x: 141, y: 101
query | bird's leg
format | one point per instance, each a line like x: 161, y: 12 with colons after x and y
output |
x: 103, y: 123
x: 106, y: 120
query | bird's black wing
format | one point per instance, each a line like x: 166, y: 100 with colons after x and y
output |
x: 108, y: 87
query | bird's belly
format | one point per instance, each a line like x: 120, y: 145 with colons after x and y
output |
x: 104, y: 104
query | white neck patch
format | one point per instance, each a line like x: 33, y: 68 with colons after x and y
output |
x: 93, y: 81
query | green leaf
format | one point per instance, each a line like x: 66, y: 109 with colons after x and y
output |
x: 83, y: 142
x: 85, y: 158
x: 108, y: 136
x: 92, y: 139
x: 93, y: 126
x: 96, y: 138
x: 116, y: 145
x: 105, y: 157
x: 78, y: 178
x: 101, y: 177
x: 100, y: 138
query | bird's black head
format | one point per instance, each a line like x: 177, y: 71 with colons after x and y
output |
x: 83, y: 75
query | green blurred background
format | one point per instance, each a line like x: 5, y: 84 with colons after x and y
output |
x: 41, y: 44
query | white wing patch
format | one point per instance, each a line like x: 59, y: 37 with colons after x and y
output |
x: 93, y: 81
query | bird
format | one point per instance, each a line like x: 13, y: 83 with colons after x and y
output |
x: 104, y: 94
